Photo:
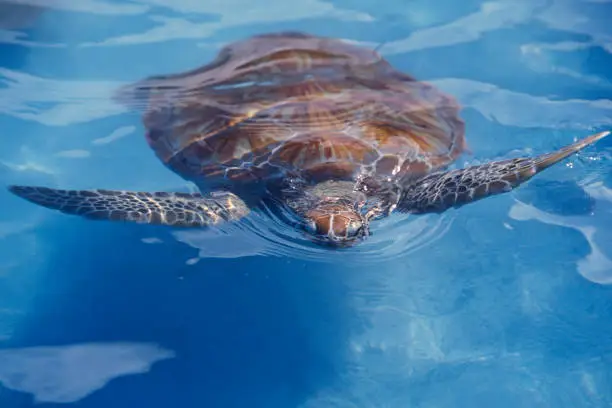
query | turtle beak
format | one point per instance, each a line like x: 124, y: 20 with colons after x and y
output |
x: 335, y: 225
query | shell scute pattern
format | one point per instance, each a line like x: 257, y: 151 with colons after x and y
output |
x: 292, y: 102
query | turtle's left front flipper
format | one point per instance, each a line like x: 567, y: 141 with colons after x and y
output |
x: 173, y: 209
x: 440, y: 191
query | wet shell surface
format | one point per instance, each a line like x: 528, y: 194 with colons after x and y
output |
x: 294, y: 104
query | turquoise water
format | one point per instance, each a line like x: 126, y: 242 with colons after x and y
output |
x: 503, y: 303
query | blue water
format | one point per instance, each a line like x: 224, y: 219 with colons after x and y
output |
x: 502, y: 303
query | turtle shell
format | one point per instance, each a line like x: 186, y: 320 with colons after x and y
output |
x: 296, y: 104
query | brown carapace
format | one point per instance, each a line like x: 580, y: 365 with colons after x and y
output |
x: 322, y: 126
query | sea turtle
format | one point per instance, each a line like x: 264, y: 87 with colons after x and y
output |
x: 321, y: 126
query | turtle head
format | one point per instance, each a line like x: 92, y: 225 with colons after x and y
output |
x: 335, y: 223
x: 332, y: 212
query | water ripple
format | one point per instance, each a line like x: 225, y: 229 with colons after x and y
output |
x: 267, y: 233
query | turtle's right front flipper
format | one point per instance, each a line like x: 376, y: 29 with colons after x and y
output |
x: 442, y: 190
x: 173, y: 209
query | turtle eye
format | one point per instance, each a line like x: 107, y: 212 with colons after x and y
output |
x: 353, y: 228
x: 311, y: 226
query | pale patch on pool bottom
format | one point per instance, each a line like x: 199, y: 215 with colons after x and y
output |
x: 152, y: 240
x: 117, y: 134
x: 596, y: 266
x: 492, y: 16
x: 74, y: 154
x: 527, y: 111
x: 66, y: 374
x: 163, y: 28
x: 503, y: 380
x: 216, y: 244
x: 54, y: 102
x: 87, y: 6
x: 27, y: 162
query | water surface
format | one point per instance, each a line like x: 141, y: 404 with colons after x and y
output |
x: 503, y: 303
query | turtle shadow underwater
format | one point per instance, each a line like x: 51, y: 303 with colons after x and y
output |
x: 252, y: 331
